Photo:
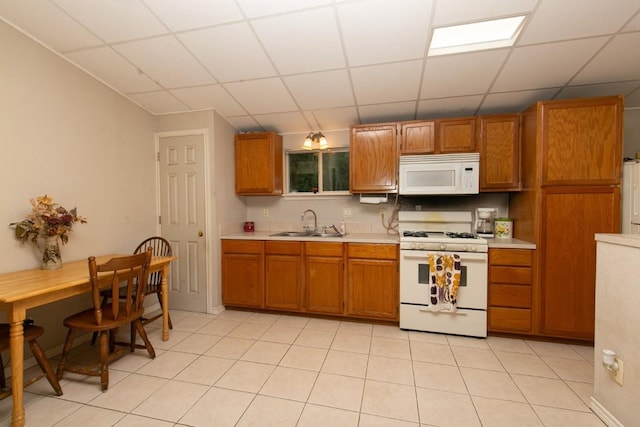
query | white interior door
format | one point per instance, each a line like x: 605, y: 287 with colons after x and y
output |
x: 183, y: 216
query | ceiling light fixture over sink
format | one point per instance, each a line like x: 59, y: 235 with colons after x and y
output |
x: 317, y: 138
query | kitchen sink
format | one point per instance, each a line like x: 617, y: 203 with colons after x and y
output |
x: 292, y: 234
x: 304, y: 234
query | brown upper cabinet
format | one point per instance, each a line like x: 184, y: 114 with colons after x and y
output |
x: 373, y: 158
x: 258, y: 158
x: 457, y: 135
x: 582, y: 141
x: 499, y: 144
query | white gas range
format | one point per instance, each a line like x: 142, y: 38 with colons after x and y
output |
x: 426, y: 235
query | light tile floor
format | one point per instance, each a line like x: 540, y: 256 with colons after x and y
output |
x: 254, y: 369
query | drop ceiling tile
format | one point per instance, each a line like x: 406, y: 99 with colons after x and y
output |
x: 161, y: 102
x: 257, y: 8
x: 283, y: 122
x: 547, y: 65
x: 48, y: 24
x: 244, y: 124
x: 230, y: 52
x: 108, y: 66
x: 262, y: 96
x: 387, y: 83
x: 211, y: 96
x: 448, y: 107
x: 570, y: 19
x: 604, y: 89
x: 618, y: 52
x: 514, y: 102
x: 391, y: 112
x: 378, y: 31
x: 335, y: 118
x: 458, y: 11
x: 166, y: 61
x: 457, y: 75
x: 302, y: 42
x: 321, y: 90
x: 187, y: 15
x: 114, y: 21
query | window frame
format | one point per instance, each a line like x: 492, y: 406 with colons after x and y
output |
x: 321, y: 193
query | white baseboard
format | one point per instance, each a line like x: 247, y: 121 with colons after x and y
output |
x: 217, y: 310
x: 602, y: 412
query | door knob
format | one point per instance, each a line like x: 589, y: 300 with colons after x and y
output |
x: 200, y: 234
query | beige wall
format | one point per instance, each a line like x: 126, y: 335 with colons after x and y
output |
x: 65, y: 134
x: 617, y: 323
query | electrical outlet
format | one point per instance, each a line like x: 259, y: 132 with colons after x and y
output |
x: 346, y: 212
x: 265, y: 213
x: 617, y: 376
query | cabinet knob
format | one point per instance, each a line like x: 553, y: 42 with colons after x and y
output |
x: 200, y: 234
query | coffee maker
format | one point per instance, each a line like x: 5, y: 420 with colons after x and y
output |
x: 484, y: 221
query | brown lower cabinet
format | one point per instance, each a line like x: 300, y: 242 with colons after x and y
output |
x: 358, y: 280
x: 243, y: 273
x: 510, y: 291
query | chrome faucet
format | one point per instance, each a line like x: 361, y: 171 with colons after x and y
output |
x: 315, y: 218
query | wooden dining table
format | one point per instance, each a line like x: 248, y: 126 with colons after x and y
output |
x: 22, y: 290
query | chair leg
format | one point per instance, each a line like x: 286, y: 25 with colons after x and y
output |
x: 104, y: 359
x: 65, y: 353
x: 42, y: 360
x: 143, y: 335
x: 132, y: 332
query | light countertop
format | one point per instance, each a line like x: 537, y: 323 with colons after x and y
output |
x: 363, y: 238
x: 348, y: 238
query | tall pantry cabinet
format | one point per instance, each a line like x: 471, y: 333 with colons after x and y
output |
x: 571, y: 160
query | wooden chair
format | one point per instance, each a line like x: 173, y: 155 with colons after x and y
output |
x: 126, y: 308
x: 160, y: 247
x: 31, y: 332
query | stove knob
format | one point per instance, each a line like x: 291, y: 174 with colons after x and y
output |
x: 412, y: 245
x: 443, y: 246
x: 463, y: 248
x: 472, y: 249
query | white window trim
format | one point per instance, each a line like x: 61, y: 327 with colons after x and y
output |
x: 324, y: 195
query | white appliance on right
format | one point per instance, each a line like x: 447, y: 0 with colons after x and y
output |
x: 630, y: 211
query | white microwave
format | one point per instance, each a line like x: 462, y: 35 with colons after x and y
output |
x: 439, y: 174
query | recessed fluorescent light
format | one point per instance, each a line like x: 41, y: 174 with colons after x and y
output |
x: 476, y: 36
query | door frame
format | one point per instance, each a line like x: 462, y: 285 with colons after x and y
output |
x: 209, y: 256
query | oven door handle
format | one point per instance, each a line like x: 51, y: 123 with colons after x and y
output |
x: 458, y: 313
x: 464, y: 256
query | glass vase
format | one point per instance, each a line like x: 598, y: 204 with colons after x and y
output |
x: 51, y: 258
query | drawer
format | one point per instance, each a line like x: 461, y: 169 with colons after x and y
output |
x: 519, y: 275
x: 509, y: 319
x: 242, y: 246
x: 462, y: 322
x: 510, y: 296
x: 518, y: 257
x: 274, y: 247
x: 323, y: 249
x: 370, y: 251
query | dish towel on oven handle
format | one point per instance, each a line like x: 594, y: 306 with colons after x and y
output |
x: 444, y: 279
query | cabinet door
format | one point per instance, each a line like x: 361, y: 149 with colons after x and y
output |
x: 456, y: 135
x: 570, y: 218
x: 418, y: 137
x: 283, y: 275
x: 582, y: 141
x: 324, y: 284
x: 373, y: 288
x: 499, y: 144
x: 258, y: 158
x: 242, y: 280
x: 373, y: 159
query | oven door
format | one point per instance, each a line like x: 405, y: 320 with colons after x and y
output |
x: 414, y: 278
